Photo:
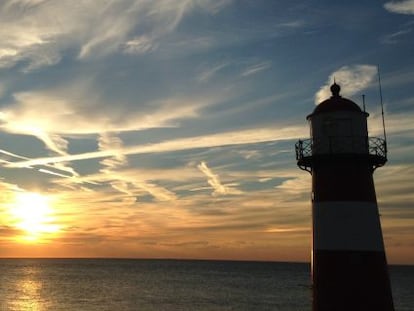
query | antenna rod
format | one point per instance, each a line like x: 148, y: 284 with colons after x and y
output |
x: 382, y: 107
x: 363, y: 101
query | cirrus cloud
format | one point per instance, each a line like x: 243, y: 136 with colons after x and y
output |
x: 46, y: 29
x: 352, y: 80
x: 401, y: 7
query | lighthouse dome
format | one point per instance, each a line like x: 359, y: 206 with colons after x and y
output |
x: 336, y: 103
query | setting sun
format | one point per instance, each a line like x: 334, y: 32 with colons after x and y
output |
x: 32, y: 214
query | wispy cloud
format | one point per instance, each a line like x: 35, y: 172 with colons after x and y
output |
x: 139, y: 45
x: 215, y: 183
x: 402, y: 7
x: 46, y: 29
x: 396, y: 36
x: 55, y: 169
x: 243, y: 68
x: 74, y: 111
x: 109, y: 141
x: 158, y: 192
x: 287, y: 229
x: 254, y: 69
x: 352, y: 80
x: 208, y: 73
x: 214, y: 6
x: 222, y: 139
x: 123, y: 182
x: 111, y: 164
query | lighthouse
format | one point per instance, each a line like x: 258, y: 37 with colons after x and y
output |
x: 349, y: 267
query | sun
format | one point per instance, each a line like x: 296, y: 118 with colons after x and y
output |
x: 32, y: 213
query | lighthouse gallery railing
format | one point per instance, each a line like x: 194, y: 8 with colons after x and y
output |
x: 374, y: 147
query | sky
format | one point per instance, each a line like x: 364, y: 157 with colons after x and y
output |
x: 166, y: 129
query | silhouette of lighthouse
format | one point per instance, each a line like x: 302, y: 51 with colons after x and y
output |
x: 349, y: 268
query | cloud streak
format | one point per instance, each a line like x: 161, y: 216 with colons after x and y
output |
x: 401, y: 7
x: 222, y: 139
x: 254, y: 69
x: 54, y: 115
x: 396, y: 36
x: 214, y: 181
x: 46, y: 29
x: 352, y: 80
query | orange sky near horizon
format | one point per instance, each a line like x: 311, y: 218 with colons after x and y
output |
x: 60, y: 228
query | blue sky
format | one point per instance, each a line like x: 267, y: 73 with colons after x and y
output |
x: 167, y: 128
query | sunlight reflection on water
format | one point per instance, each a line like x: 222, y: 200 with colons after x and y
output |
x: 27, y: 291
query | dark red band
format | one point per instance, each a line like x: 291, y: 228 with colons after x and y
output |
x: 343, y: 181
x: 351, y: 280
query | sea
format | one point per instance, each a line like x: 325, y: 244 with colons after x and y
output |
x: 157, y: 285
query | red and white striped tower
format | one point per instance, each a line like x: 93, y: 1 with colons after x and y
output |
x: 349, y: 268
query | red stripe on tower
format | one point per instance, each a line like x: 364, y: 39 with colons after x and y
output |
x: 349, y: 267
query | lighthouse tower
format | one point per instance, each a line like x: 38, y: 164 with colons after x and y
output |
x: 349, y: 268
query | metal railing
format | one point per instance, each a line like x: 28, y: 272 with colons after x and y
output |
x: 374, y: 147
x: 303, y: 148
x: 377, y: 146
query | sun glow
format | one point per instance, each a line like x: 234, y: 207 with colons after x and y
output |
x: 32, y: 213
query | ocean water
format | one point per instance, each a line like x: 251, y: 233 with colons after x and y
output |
x: 118, y: 284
